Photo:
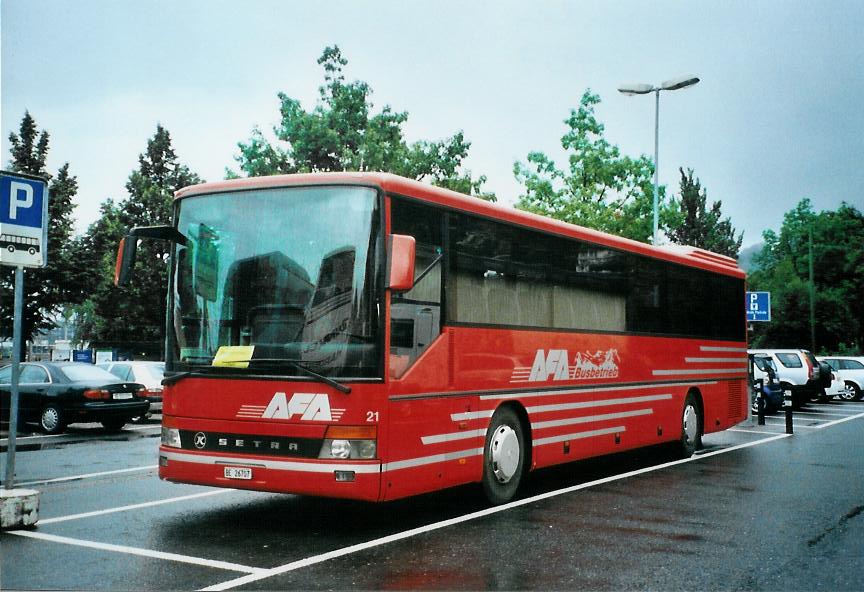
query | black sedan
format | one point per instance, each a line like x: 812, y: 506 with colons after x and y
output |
x: 55, y: 394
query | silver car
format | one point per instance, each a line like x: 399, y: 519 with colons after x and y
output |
x: 849, y: 369
x: 149, y: 374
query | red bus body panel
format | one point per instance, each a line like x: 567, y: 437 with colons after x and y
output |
x: 582, y: 394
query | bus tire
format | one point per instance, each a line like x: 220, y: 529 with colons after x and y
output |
x: 503, y: 457
x: 691, y: 427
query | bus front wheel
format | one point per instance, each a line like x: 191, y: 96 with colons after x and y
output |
x: 503, y: 457
x: 691, y: 427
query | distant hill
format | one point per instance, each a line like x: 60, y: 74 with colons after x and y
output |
x: 745, y: 257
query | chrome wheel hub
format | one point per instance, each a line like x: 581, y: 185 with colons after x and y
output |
x: 691, y: 423
x: 504, y: 453
x: 50, y: 419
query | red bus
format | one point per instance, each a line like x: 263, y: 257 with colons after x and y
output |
x: 371, y: 337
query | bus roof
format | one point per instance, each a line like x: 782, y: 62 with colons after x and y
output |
x: 395, y: 184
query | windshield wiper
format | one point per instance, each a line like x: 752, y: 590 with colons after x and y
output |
x: 296, y: 364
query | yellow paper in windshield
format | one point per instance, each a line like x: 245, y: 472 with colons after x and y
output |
x: 233, y: 356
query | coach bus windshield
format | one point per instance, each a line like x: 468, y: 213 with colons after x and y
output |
x: 269, y: 279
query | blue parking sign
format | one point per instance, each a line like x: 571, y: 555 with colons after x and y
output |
x: 758, y: 306
x: 23, y: 220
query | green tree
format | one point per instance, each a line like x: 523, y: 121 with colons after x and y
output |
x: 782, y: 267
x: 47, y: 289
x: 135, y: 315
x: 343, y: 134
x: 697, y: 226
x: 600, y: 188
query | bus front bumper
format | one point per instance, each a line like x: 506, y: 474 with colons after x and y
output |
x: 338, y: 479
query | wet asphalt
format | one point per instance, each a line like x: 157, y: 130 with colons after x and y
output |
x: 778, y: 514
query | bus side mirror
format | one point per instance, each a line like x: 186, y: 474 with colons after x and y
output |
x: 400, y: 273
x: 125, y: 260
x: 129, y: 244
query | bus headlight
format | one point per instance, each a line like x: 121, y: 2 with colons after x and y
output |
x: 366, y: 448
x: 340, y: 449
x: 355, y: 442
x: 171, y: 437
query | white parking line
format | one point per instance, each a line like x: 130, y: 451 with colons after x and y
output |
x: 836, y: 421
x: 170, y: 500
x: 136, y: 551
x: 66, y: 434
x: 849, y: 404
x: 745, y: 431
x: 473, y: 516
x: 794, y: 425
x: 87, y: 476
x: 823, y: 413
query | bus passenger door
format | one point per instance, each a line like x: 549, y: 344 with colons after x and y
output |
x: 434, y: 444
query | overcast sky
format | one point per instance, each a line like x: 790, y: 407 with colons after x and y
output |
x: 776, y: 117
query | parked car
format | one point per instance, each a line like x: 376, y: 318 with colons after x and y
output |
x: 55, y: 394
x: 837, y: 387
x: 765, y: 378
x: 849, y: 369
x: 799, y: 372
x: 150, y: 374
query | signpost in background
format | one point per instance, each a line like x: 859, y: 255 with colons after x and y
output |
x: 23, y: 243
x: 758, y: 306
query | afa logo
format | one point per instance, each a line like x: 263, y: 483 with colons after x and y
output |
x: 557, y: 365
x: 309, y: 406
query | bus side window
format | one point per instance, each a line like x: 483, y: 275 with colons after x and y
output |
x: 415, y: 315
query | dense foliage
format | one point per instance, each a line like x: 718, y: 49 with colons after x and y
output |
x: 600, y: 188
x: 692, y: 224
x: 782, y: 268
x: 342, y: 134
x: 46, y: 290
x: 133, y: 316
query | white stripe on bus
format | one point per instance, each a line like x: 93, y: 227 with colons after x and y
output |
x: 541, y: 425
x: 579, y: 435
x: 601, y: 403
x: 741, y: 369
x: 599, y: 389
x: 440, y: 438
x: 711, y: 348
x: 302, y: 467
x: 430, y: 460
x: 712, y: 360
x: 468, y: 415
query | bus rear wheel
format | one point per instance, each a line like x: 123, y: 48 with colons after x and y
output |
x: 503, y: 457
x: 691, y: 427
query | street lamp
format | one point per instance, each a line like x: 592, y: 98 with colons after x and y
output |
x: 644, y: 89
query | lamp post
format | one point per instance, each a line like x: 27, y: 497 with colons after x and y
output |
x: 644, y: 89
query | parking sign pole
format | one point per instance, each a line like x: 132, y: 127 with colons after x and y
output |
x: 16, y: 371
